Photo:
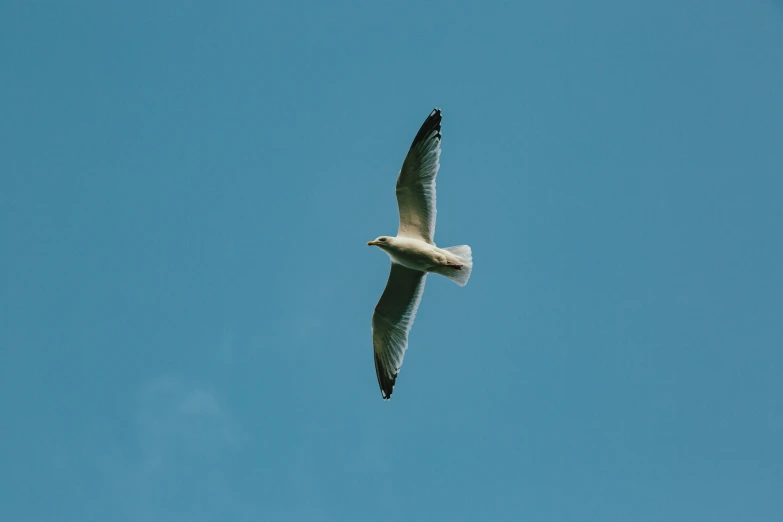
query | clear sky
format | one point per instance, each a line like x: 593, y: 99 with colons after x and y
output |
x: 186, y: 193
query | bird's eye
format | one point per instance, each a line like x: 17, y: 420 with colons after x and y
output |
x: 382, y: 240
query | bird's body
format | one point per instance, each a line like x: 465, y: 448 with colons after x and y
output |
x: 419, y: 255
x: 413, y: 254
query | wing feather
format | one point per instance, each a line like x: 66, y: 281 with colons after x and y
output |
x: 392, y: 321
x: 416, y: 182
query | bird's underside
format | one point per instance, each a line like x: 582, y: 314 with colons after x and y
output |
x: 413, y: 254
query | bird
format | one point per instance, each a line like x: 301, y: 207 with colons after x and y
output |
x: 413, y: 254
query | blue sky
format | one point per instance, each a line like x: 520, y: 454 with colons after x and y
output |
x: 185, y: 200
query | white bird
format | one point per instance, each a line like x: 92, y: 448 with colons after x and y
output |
x: 413, y: 254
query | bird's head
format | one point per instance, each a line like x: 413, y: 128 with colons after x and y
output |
x: 381, y: 241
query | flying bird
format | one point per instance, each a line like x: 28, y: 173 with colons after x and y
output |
x: 413, y: 254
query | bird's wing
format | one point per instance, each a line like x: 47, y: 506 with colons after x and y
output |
x: 392, y: 321
x: 416, y: 182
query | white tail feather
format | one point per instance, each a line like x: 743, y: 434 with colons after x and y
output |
x: 465, y: 258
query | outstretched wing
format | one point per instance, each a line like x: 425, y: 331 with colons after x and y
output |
x: 416, y: 182
x: 391, y: 322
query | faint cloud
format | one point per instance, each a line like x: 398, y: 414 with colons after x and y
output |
x: 307, y: 326
x: 175, y: 417
x: 227, y: 348
x: 199, y: 402
x: 313, y: 308
x: 182, y: 439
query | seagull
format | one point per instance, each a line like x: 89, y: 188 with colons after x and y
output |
x: 413, y: 254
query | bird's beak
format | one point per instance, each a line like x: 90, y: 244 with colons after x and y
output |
x: 371, y: 243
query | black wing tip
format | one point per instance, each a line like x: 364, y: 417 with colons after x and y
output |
x: 432, y: 123
x: 385, y: 382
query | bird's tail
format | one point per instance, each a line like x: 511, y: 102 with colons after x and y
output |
x: 461, y: 274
